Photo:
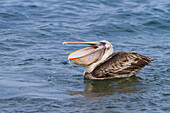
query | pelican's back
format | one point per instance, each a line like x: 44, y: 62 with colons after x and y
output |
x: 121, y: 64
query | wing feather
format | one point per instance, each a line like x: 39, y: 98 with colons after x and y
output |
x: 121, y: 64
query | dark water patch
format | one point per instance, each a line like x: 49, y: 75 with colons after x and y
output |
x: 65, y: 62
x: 166, y: 94
x: 30, y: 59
x: 167, y: 109
x: 152, y: 23
x: 96, y: 88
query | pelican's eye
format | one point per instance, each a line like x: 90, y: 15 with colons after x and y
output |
x: 103, y: 43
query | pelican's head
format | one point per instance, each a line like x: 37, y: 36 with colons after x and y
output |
x: 107, y: 44
x: 91, y: 54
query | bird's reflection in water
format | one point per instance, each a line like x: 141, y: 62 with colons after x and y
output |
x: 97, y: 88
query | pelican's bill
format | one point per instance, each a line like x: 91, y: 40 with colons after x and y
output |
x: 86, y: 55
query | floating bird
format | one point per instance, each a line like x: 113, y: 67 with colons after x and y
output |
x: 103, y: 64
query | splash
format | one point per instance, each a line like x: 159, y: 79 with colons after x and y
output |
x: 51, y: 77
x: 69, y: 62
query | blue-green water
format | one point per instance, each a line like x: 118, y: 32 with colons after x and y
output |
x: 35, y: 75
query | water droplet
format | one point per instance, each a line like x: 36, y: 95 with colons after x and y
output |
x: 69, y: 62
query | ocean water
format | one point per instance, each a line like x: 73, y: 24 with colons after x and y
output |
x: 35, y: 75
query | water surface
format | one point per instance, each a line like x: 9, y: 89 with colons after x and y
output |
x: 35, y: 75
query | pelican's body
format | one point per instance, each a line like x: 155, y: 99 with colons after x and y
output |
x: 103, y: 64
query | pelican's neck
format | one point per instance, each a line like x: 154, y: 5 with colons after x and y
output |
x: 92, y: 66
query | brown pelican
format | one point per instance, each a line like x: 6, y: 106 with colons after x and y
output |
x: 103, y: 64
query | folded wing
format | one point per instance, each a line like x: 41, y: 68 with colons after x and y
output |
x: 121, y: 64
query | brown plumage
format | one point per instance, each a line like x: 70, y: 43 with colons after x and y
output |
x: 121, y: 64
